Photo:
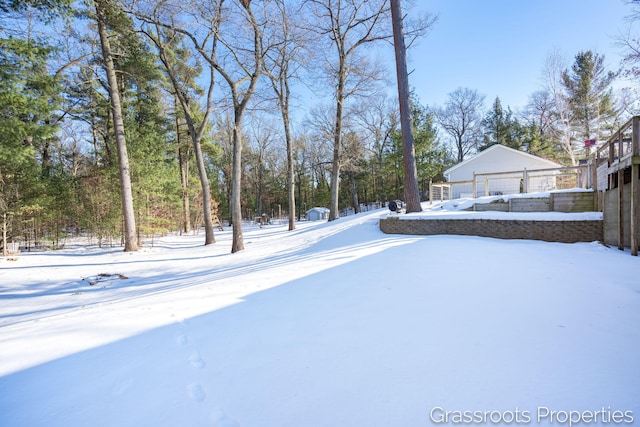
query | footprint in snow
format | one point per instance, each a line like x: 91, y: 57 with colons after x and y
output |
x: 220, y: 419
x: 183, y: 340
x: 196, y: 361
x: 196, y: 393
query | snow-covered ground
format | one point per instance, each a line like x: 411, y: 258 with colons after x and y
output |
x: 333, y: 324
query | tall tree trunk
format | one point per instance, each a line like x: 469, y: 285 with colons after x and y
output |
x: 183, y: 160
x: 206, y: 193
x: 291, y: 185
x: 411, y: 188
x: 337, y: 142
x: 130, y: 243
x: 354, y: 192
x: 236, y: 187
x: 195, y: 133
x: 240, y: 104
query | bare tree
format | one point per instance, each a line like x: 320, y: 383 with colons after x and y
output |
x: 461, y: 118
x: 353, y: 154
x: 540, y: 110
x: 562, y: 124
x: 262, y: 157
x: 349, y: 26
x: 228, y: 37
x: 630, y: 43
x: 195, y: 119
x: 282, y: 62
x: 130, y: 238
x: 377, y: 118
x: 241, y: 74
x: 163, y: 26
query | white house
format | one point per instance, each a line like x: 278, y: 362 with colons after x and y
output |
x: 501, y: 159
x: 317, y: 214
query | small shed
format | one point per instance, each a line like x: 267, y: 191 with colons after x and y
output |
x: 496, y: 159
x: 317, y: 214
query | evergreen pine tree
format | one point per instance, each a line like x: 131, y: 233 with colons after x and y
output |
x: 28, y: 101
x: 500, y: 127
x: 588, y: 87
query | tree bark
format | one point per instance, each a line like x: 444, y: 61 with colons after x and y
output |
x: 337, y: 142
x: 236, y: 186
x: 291, y: 185
x: 354, y: 192
x: 130, y: 243
x: 183, y: 161
x: 240, y: 103
x: 411, y: 189
x: 204, y: 183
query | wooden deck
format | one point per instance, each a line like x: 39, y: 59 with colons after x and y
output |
x: 618, y: 167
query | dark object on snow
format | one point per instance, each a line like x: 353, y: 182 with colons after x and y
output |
x: 103, y: 277
x: 393, y: 206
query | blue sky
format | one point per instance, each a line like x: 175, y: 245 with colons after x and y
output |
x: 499, y: 47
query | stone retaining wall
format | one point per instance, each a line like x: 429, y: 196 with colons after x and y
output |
x: 550, y: 231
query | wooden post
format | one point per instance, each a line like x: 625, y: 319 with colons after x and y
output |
x: 621, y: 209
x: 525, y: 181
x: 612, y: 149
x: 593, y: 169
x: 635, y: 136
x: 474, y: 187
x: 594, y: 181
x: 634, y: 220
x: 430, y: 191
x: 634, y: 214
x: 486, y: 186
x: 610, y: 163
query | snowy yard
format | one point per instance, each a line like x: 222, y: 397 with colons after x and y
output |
x: 333, y: 324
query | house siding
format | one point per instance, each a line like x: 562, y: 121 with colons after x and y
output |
x: 500, y: 159
x: 496, y: 159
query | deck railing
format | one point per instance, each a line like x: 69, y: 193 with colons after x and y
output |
x: 617, y: 152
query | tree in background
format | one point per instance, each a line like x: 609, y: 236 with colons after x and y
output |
x: 49, y: 7
x: 538, y: 128
x: 538, y: 143
x: 431, y: 155
x: 500, y: 127
x: 349, y: 26
x: 378, y: 119
x: 28, y: 103
x: 630, y: 42
x: 411, y: 190
x: 461, y: 118
x: 103, y: 11
x: 34, y: 191
x: 59, y: 164
x: 552, y: 110
x: 588, y: 88
x: 241, y: 70
x: 182, y: 74
x: 282, y: 60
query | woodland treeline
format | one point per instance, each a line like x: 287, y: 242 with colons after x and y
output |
x: 121, y: 119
